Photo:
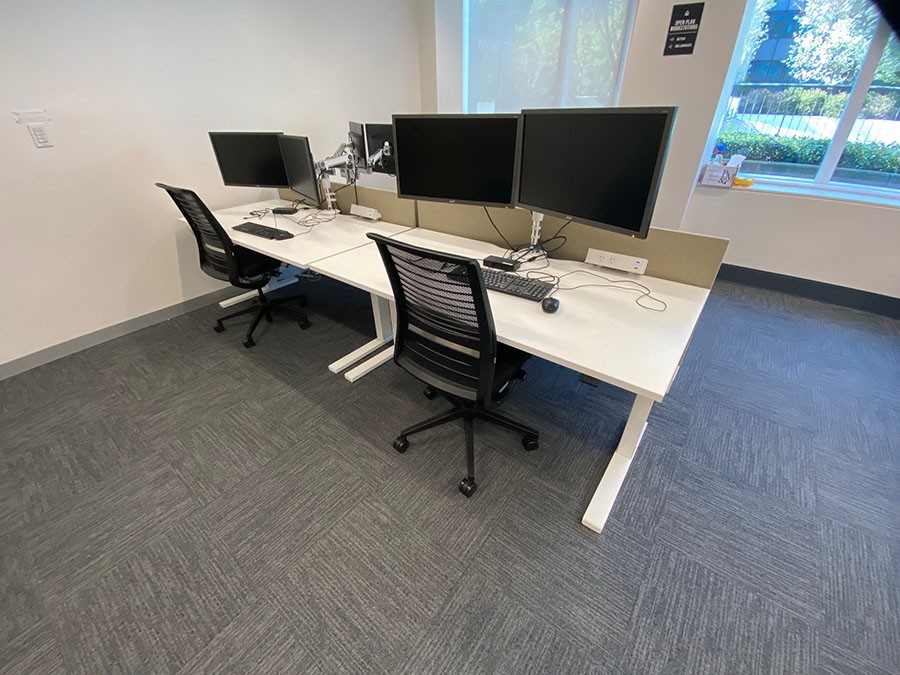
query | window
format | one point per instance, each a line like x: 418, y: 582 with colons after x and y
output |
x: 817, y: 95
x: 542, y: 53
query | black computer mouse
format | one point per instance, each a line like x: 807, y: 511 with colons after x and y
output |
x: 550, y: 305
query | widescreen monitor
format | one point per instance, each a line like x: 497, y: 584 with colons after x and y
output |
x: 299, y: 166
x: 464, y: 159
x: 599, y: 166
x: 250, y: 159
x: 380, y: 146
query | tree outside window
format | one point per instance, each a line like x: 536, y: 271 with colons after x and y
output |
x: 817, y: 95
x: 544, y: 53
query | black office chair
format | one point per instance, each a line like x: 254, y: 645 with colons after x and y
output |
x: 445, y: 337
x: 241, y: 267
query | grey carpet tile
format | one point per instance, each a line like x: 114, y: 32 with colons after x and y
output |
x: 861, y: 493
x: 834, y: 659
x: 585, y: 585
x: 21, y: 605
x: 104, y: 454
x: 858, y: 426
x: 213, y: 458
x: 45, y: 386
x: 361, y: 597
x: 271, y: 517
x: 870, y: 371
x: 769, y: 312
x: 737, y: 532
x: 482, y: 630
x: 82, y: 537
x: 425, y: 488
x: 156, y: 608
x: 260, y: 641
x: 860, y: 576
x: 752, y: 450
x: 56, y: 465
x: 642, y: 500
x: 759, y: 393
x: 690, y: 619
x: 33, y: 651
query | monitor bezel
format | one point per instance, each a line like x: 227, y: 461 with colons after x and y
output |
x: 312, y: 164
x: 445, y: 116
x: 670, y: 113
x: 359, y: 129
x: 245, y: 133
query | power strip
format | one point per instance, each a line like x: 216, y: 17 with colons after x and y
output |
x: 616, y: 261
x: 364, y: 212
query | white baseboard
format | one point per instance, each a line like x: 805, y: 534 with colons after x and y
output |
x: 39, y: 358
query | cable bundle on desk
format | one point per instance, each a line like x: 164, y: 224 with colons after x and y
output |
x: 526, y: 254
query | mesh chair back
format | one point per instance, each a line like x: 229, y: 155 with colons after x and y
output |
x: 213, y: 244
x: 445, y: 331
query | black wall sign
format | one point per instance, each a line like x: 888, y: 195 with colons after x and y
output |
x: 683, y: 28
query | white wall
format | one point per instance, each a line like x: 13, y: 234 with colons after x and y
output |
x: 87, y: 241
x: 692, y: 82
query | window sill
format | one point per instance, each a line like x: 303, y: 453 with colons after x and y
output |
x: 848, y: 193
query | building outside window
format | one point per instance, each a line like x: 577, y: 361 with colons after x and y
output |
x: 816, y: 99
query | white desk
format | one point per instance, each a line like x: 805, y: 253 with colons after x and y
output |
x: 600, y: 332
x: 309, y: 245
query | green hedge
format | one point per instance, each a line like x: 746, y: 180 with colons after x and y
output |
x: 764, y: 148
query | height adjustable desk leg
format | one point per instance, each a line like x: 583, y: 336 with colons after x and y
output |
x: 384, y: 335
x: 611, y: 482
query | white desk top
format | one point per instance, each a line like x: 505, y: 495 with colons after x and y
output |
x: 597, y: 331
x: 309, y: 244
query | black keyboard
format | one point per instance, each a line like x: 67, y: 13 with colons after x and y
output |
x: 263, y: 231
x: 513, y: 284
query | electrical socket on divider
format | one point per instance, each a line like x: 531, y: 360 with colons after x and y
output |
x: 616, y: 261
x: 364, y: 212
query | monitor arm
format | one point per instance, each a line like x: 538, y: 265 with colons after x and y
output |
x: 385, y: 151
x: 536, y: 218
x: 343, y: 157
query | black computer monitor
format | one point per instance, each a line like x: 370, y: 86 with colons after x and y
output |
x: 465, y: 159
x: 299, y: 166
x: 599, y: 166
x: 250, y: 159
x: 377, y: 135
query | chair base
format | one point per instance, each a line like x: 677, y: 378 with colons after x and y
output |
x: 263, y: 307
x: 469, y: 413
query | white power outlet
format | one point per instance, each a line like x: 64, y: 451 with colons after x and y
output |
x: 39, y: 135
x: 364, y: 212
x: 616, y: 261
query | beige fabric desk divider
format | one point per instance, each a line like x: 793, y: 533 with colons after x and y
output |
x: 674, y: 255
x: 392, y: 209
x: 684, y: 257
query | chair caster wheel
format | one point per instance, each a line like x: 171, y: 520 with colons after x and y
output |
x: 401, y: 444
x: 521, y: 375
x: 430, y: 393
x: 530, y: 443
x: 248, y: 342
x: 304, y: 324
x: 467, y: 486
x: 219, y: 327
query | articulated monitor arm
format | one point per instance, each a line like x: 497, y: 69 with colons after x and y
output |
x: 343, y: 157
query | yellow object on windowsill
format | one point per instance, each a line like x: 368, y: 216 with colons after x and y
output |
x: 742, y: 182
